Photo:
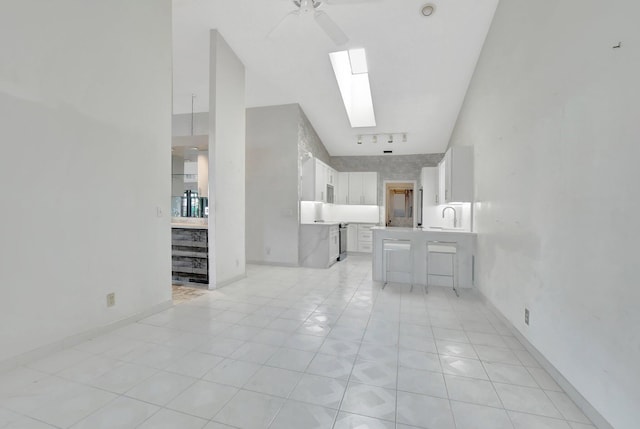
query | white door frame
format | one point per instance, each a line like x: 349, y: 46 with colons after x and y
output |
x: 384, y: 198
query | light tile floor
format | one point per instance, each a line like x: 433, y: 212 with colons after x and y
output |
x: 297, y: 349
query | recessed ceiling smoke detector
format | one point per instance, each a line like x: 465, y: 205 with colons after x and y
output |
x: 428, y: 9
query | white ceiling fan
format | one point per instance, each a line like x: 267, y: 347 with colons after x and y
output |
x: 312, y: 7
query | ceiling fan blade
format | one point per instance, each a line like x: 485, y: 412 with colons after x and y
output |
x: 279, y: 24
x: 330, y: 27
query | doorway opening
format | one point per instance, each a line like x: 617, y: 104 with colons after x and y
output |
x: 399, y: 204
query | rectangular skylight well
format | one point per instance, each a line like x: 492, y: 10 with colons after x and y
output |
x: 358, y: 61
x: 350, y: 68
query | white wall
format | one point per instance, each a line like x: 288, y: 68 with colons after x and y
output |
x: 85, y: 125
x: 553, y: 114
x: 272, y: 184
x: 227, y: 164
x: 181, y: 124
x: 203, y: 174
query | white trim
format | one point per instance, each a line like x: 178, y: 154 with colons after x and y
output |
x: 273, y: 264
x: 584, y: 405
x: 384, y: 198
x: 68, y: 342
x: 229, y: 281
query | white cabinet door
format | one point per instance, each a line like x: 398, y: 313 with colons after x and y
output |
x: 342, y: 194
x: 331, y: 176
x: 429, y: 179
x: 363, y: 188
x: 352, y: 238
x: 334, y: 244
x: 456, y: 175
x: 355, y: 188
x: 365, y: 238
x: 445, y: 176
x: 321, y: 183
x: 441, y: 174
x: 370, y: 188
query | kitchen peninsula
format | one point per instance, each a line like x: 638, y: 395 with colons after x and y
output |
x: 418, y: 237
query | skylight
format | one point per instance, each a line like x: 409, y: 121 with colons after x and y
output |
x: 352, y: 75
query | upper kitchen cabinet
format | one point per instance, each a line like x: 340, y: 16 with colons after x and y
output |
x: 317, y: 181
x: 342, y: 188
x: 331, y: 176
x: 455, y: 176
x: 363, y: 188
x: 429, y: 184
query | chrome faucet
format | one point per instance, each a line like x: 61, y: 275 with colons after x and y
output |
x: 455, y: 215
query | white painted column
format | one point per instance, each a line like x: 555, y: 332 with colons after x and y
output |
x: 226, y: 164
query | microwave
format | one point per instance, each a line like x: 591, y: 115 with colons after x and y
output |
x: 330, y: 194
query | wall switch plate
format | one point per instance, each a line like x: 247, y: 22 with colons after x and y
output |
x: 111, y: 299
x: 526, y: 316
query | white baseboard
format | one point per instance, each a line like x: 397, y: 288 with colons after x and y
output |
x: 68, y: 342
x: 273, y: 264
x: 228, y: 282
x: 584, y: 405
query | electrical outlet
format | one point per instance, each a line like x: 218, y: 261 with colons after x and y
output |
x: 111, y: 299
x: 268, y: 250
x: 526, y: 316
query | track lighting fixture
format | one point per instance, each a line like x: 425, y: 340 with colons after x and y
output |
x: 390, y: 137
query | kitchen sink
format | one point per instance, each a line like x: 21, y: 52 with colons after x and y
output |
x: 441, y: 228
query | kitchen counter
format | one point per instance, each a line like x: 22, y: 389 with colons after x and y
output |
x: 321, y: 223
x: 465, y: 240
x: 319, y: 244
x: 425, y: 229
x: 189, y: 226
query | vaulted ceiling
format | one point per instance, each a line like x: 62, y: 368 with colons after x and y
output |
x: 419, y: 67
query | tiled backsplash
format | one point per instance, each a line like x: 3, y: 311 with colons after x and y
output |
x: 311, y: 211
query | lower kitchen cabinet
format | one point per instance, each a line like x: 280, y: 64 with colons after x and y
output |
x: 319, y: 245
x: 334, y: 243
x: 360, y: 237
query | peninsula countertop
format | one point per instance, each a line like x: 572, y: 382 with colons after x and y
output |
x: 419, y: 230
x: 189, y: 225
x: 419, y: 238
